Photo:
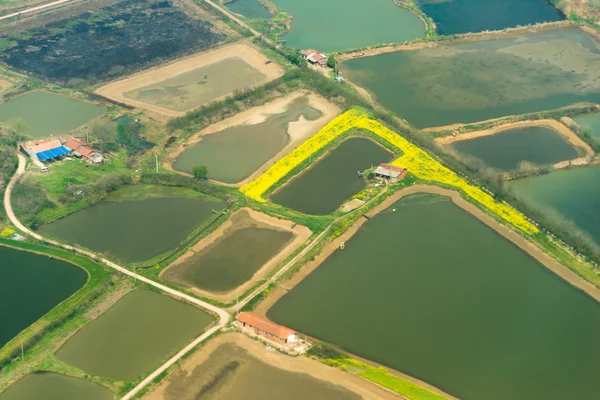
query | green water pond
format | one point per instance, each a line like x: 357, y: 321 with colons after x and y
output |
x: 135, y: 223
x: 326, y: 185
x: 235, y: 153
x: 591, y: 123
x: 48, y: 114
x: 461, y: 16
x: 50, y: 386
x: 469, y: 82
x: 506, y: 150
x: 249, y: 8
x: 427, y: 289
x: 573, y: 193
x: 30, y: 286
x: 137, y: 334
x: 335, y: 25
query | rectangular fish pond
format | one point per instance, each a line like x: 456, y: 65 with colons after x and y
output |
x: 136, y: 223
x: 326, y: 185
x: 30, y: 286
x: 506, y: 150
x: 51, y: 386
x: 468, y: 82
x: 134, y: 336
x: 47, y: 113
x: 427, y: 289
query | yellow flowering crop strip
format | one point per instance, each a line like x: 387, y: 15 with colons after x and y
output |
x: 7, y: 232
x: 415, y: 160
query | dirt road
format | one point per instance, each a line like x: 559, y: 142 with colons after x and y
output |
x: 35, y: 9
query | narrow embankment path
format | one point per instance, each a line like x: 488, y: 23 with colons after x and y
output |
x: 223, y: 315
x: 35, y: 9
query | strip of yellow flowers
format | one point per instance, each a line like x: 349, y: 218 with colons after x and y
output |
x: 415, y: 160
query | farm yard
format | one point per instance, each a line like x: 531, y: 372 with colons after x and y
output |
x: 390, y: 199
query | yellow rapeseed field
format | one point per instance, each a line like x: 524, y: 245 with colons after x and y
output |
x: 415, y: 160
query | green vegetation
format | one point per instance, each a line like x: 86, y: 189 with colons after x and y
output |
x: 200, y: 172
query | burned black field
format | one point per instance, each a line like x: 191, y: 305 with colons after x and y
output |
x: 110, y: 42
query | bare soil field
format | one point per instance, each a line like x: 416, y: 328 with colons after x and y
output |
x: 192, y: 380
x: 299, y: 131
x: 4, y: 85
x: 242, y: 218
x: 197, y: 90
x: 109, y: 42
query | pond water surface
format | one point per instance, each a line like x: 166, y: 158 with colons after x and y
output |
x: 48, y: 114
x: 135, y: 223
x: 335, y: 25
x: 235, y: 153
x: 431, y: 291
x: 573, y: 193
x: 50, y: 386
x: 333, y: 179
x: 468, y: 82
x: 461, y: 16
x: 249, y: 8
x: 134, y: 336
x: 590, y: 122
x: 505, y: 150
x: 30, y: 286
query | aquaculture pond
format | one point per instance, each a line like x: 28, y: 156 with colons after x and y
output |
x: 235, y: 153
x: 202, y: 85
x: 50, y: 386
x: 134, y: 336
x: 48, y: 114
x: 135, y: 223
x: 427, y: 289
x: 333, y: 179
x: 468, y: 82
x: 231, y: 373
x: 506, y: 150
x: 591, y: 123
x: 336, y: 25
x: 231, y: 261
x: 30, y: 286
x: 461, y: 16
x: 108, y: 42
x: 249, y: 8
x: 573, y: 193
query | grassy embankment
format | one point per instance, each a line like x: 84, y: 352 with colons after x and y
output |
x: 45, y: 336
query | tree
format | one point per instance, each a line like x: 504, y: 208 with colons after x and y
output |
x: 200, y: 172
x: 296, y: 59
x: 331, y: 61
x: 104, y: 133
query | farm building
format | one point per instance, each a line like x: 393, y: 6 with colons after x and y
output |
x: 267, y: 329
x: 82, y: 149
x: 314, y: 57
x: 44, y: 150
x: 390, y: 172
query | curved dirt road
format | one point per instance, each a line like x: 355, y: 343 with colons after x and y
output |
x: 223, y: 315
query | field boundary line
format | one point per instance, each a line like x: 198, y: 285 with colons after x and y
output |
x: 35, y: 9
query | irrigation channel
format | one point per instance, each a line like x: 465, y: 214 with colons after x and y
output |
x: 223, y: 315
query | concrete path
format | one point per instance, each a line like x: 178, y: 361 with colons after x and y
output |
x: 35, y: 9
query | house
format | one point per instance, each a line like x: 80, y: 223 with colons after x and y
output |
x: 314, y: 57
x: 44, y: 150
x: 390, y: 172
x: 267, y: 329
x: 74, y: 144
x: 82, y: 149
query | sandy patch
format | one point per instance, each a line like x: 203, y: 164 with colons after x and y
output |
x: 240, y: 219
x: 4, y: 85
x: 298, y: 131
x: 570, y: 136
x: 300, y: 364
x: 249, y: 54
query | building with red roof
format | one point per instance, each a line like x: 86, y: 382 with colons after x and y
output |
x: 267, y: 329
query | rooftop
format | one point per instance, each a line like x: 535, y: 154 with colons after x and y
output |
x: 265, y: 325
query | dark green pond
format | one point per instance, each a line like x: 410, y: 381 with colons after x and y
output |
x: 591, y: 123
x: 335, y: 25
x: 48, y: 113
x: 326, y: 185
x: 477, y: 81
x: 50, y: 386
x: 30, y: 286
x: 132, y: 228
x: 431, y: 291
x: 506, y: 150
x: 574, y: 193
x: 461, y: 16
x: 136, y: 335
x: 235, y: 153
x: 232, y: 261
x: 249, y: 8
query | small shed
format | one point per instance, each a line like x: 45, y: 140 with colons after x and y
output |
x: 390, y: 172
x: 267, y: 329
x: 314, y: 57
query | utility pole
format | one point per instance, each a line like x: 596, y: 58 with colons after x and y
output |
x: 156, y: 158
x: 237, y: 306
x: 22, y: 352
